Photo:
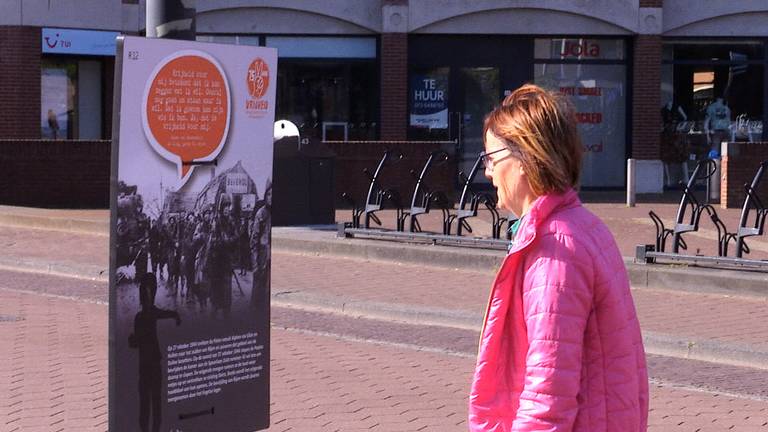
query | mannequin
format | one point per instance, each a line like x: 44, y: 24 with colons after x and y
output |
x: 668, y: 113
x: 717, y: 123
x: 673, y: 148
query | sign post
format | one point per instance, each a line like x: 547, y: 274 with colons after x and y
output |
x: 190, y: 250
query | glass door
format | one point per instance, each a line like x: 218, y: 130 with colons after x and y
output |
x: 480, y: 89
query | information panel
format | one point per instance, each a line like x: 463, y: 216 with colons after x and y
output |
x: 190, y: 236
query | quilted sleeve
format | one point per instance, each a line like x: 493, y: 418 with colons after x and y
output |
x: 557, y: 300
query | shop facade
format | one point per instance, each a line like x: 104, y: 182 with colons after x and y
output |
x: 443, y: 65
x: 644, y: 75
x: 76, y: 68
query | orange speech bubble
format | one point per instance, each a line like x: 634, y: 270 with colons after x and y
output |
x: 186, y: 110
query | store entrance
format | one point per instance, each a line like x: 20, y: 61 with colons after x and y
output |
x: 455, y: 81
x: 450, y: 104
x: 479, y: 92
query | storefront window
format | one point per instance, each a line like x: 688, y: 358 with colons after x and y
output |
x: 712, y: 91
x: 71, y: 99
x: 326, y: 85
x: 599, y: 94
x: 329, y: 100
x: 58, y: 99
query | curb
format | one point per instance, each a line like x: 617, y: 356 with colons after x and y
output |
x: 659, y: 276
x: 80, y: 271
x: 755, y: 356
x: 383, y: 250
x: 83, y: 226
x: 735, y: 354
x: 378, y: 310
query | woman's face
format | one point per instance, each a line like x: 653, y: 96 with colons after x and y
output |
x: 506, y: 173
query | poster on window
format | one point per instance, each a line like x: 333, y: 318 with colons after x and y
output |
x: 598, y: 92
x: 55, y: 100
x: 190, y: 236
x: 429, y: 99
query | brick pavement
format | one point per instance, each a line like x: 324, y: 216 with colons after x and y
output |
x: 54, y: 246
x: 57, y: 368
x: 54, y: 368
x: 697, y: 315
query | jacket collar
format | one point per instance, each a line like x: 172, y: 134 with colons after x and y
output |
x: 540, y: 211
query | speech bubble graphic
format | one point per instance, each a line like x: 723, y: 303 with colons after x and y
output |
x: 186, y: 110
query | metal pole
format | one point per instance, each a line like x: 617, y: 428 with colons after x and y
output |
x: 714, y: 182
x: 171, y: 19
x: 631, y: 188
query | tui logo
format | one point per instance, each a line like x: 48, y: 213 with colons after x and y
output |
x: 52, y: 45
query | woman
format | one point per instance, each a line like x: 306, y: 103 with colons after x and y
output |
x: 561, y: 348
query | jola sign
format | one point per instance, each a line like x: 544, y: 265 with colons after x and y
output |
x: 580, y: 49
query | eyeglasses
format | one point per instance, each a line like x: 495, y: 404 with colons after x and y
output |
x: 488, y: 162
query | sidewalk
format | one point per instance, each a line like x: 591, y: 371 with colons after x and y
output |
x: 312, y: 269
x: 56, y: 380
x: 56, y: 370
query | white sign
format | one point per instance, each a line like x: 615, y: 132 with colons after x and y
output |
x: 88, y: 42
x: 237, y: 183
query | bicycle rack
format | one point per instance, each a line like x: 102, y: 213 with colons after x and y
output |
x: 649, y: 254
x: 471, y: 200
x: 751, y: 202
x: 688, y: 199
x: 376, y: 197
x: 356, y: 210
x: 423, y: 198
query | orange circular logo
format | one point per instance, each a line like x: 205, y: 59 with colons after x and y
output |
x: 258, y: 78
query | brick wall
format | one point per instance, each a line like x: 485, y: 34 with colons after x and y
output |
x: 738, y: 167
x: 394, y: 85
x: 352, y: 158
x: 646, y: 98
x: 55, y: 174
x: 19, y: 82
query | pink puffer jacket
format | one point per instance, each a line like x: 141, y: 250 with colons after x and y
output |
x: 561, y: 348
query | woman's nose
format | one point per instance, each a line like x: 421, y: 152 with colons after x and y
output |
x: 488, y: 173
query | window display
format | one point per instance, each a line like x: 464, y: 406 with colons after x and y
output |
x: 329, y: 100
x: 58, y: 97
x: 71, y: 98
x: 719, y: 85
x: 327, y: 86
x: 599, y: 94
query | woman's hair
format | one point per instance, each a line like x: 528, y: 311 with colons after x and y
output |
x: 539, y: 126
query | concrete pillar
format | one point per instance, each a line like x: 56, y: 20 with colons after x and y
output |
x: 171, y: 19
